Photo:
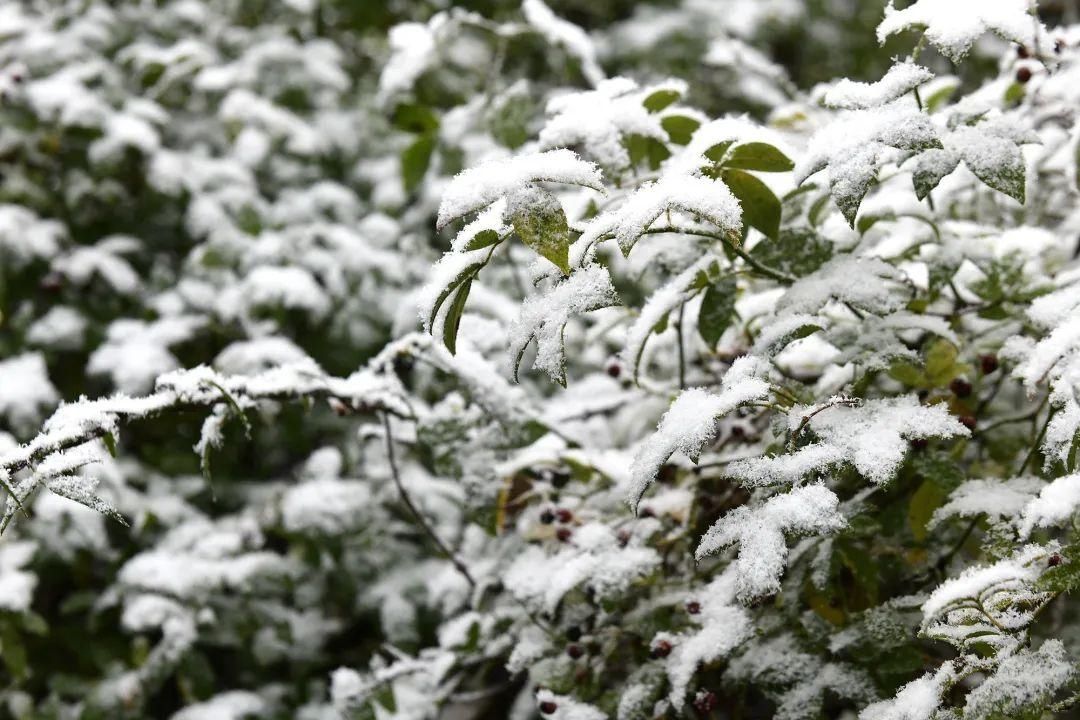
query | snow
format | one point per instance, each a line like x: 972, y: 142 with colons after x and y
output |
x: 1012, y: 575
x: 491, y: 220
x: 724, y: 626
x: 413, y: 51
x: 26, y: 393
x: 660, y: 304
x: 325, y: 506
x: 16, y: 584
x: 870, y: 284
x: 592, y: 560
x: 567, y: 708
x: 873, y: 437
x: 601, y: 120
x: 709, y: 199
x: 1055, y: 505
x: 24, y: 236
x: 290, y: 287
x: 232, y: 705
x: 565, y: 34
x: 62, y: 328
x: 953, y: 27
x: 1020, y: 681
x: 902, y: 78
x: 786, y: 469
x: 918, y: 700
x: 690, y: 422
x: 478, y: 187
x: 998, y: 500
x: 544, y: 317
x: 759, y: 532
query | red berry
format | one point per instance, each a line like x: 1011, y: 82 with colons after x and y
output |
x: 563, y: 534
x: 1022, y: 52
x: 961, y: 388
x: 575, y: 651
x: 968, y: 421
x: 1023, y: 75
x: 623, y: 536
x: 1054, y: 560
x: 547, y: 707
x: 660, y: 649
x: 614, y: 369
x: 547, y: 517
x: 693, y: 607
x: 705, y: 702
x: 646, y: 512
x: 988, y: 363
x: 563, y: 515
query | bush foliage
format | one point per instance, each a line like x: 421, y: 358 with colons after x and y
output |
x: 583, y: 360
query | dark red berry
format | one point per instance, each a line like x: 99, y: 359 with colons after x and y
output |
x: 547, y: 517
x: 693, y: 607
x: 623, y: 536
x: 919, y: 443
x: 1023, y: 75
x: 1059, y: 46
x: 660, y: 649
x: 53, y: 282
x: 646, y: 512
x: 988, y: 363
x: 960, y: 387
x: 575, y: 651
x: 563, y: 515
x: 564, y: 534
x: 614, y: 369
x: 705, y: 702
x: 17, y: 77
x: 968, y: 421
x: 547, y: 707
x: 1022, y: 52
x: 1054, y: 560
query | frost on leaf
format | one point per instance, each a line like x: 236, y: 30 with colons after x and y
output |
x: 857, y: 143
x: 989, y: 605
x: 1030, y: 678
x: 954, y: 26
x: 476, y: 188
x: 690, y: 422
x: 544, y: 318
x: 759, y: 531
x: 991, y: 150
x: 902, y: 78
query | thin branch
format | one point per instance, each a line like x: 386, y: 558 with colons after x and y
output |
x: 414, y: 511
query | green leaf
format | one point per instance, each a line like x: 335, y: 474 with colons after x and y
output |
x: 540, y: 222
x: 717, y: 310
x: 679, y: 128
x: 110, y: 443
x: 465, y: 275
x: 760, y: 207
x: 941, y: 363
x: 924, y: 502
x: 453, y: 316
x: 13, y: 651
x: 643, y: 148
x: 660, y: 99
x: 482, y: 239
x: 716, y: 152
x: 1061, y: 579
x: 758, y: 156
x: 414, y: 118
x: 931, y: 168
x: 415, y: 160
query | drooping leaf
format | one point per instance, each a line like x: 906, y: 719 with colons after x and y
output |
x: 758, y: 156
x: 761, y: 209
x: 717, y: 310
x: 540, y: 221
